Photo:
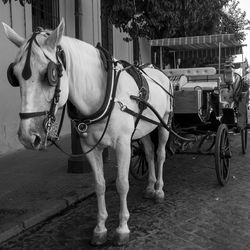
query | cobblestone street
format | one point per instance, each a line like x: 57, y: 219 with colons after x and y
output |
x: 197, y: 213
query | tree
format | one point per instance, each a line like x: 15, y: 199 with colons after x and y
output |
x: 233, y: 20
x: 174, y: 18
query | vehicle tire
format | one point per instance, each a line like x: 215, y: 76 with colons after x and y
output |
x: 222, y: 155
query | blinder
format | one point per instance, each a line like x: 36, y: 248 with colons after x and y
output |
x: 52, y: 74
x: 11, y: 76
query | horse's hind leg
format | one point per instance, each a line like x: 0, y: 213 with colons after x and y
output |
x: 123, y: 154
x: 96, y: 162
x: 150, y: 157
x: 161, y: 156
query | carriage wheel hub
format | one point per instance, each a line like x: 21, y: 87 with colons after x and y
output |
x: 226, y: 154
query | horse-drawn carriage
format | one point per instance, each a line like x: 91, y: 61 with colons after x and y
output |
x: 210, y: 101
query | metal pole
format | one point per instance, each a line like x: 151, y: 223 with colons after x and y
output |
x: 77, y: 164
x: 78, y: 19
x: 219, y: 55
x: 174, y: 61
x: 161, y: 63
x: 11, y: 19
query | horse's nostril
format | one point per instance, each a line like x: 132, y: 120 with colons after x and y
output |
x: 37, y: 141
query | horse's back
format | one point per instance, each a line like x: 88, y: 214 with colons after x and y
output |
x: 158, y: 76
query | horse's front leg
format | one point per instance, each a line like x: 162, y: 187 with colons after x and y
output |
x: 123, y: 154
x: 96, y: 162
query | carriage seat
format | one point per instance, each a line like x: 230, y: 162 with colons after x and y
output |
x: 200, y: 85
x: 190, y: 71
x: 196, y: 78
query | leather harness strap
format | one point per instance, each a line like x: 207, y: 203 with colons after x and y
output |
x: 143, y: 87
x: 140, y: 81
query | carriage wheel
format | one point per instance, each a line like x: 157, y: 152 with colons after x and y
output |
x: 243, y: 134
x: 138, y: 165
x: 222, y: 155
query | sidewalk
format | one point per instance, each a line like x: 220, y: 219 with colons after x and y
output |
x: 35, y: 186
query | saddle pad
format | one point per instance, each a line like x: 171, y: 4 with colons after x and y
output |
x: 200, y: 85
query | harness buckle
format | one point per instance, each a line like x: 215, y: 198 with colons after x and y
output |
x: 142, y: 92
x: 122, y: 106
x: 82, y: 127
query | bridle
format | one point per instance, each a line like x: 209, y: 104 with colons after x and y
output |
x: 54, y: 73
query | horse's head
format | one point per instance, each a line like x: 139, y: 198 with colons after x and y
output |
x: 40, y: 73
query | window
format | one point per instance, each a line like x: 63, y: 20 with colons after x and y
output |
x: 45, y: 13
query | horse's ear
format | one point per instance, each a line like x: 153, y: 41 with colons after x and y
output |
x: 12, y: 35
x: 55, y: 37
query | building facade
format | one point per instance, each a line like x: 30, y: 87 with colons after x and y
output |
x: 24, y: 19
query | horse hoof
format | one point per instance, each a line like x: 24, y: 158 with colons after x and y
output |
x: 121, y: 239
x: 149, y: 194
x: 99, y: 238
x: 159, y: 200
x: 159, y: 197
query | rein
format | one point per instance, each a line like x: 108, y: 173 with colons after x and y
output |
x: 161, y: 121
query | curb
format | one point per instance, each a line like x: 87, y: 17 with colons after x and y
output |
x: 55, y: 209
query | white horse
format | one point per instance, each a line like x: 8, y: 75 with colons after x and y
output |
x: 83, y: 82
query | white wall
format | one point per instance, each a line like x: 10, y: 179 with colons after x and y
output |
x: 9, y: 97
x: 122, y: 50
x: 91, y: 21
x: 145, y: 50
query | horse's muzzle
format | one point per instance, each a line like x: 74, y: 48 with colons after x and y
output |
x: 31, y: 139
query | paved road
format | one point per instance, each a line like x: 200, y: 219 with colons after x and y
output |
x: 196, y: 214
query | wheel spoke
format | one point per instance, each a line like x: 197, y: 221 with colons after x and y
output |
x: 138, y: 164
x: 143, y: 166
x: 137, y: 159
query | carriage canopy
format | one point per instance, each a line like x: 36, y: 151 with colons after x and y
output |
x: 195, y: 51
x: 198, y: 42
